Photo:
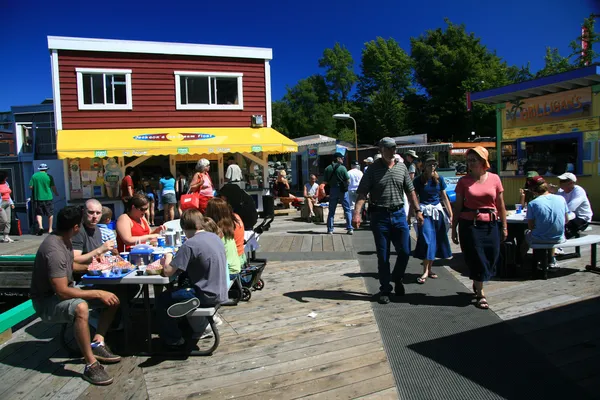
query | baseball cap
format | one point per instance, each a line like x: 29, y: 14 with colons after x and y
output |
x: 338, y: 155
x: 568, y: 177
x: 535, y: 181
x: 531, y: 174
x: 43, y: 167
x: 368, y: 159
x: 387, y: 142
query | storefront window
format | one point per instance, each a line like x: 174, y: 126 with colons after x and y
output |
x: 550, y: 157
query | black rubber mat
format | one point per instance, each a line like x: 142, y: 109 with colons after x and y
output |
x: 440, y: 346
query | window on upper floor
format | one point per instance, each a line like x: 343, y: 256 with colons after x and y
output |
x: 104, y: 89
x: 208, y: 91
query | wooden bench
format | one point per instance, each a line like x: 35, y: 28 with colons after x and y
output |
x: 318, y: 210
x: 584, y: 240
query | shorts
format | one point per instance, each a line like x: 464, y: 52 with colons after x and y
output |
x: 169, y: 198
x: 56, y: 311
x: 44, y: 208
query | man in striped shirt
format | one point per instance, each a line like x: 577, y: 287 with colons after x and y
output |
x: 386, y: 181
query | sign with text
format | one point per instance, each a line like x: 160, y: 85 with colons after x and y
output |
x: 578, y: 125
x: 549, y: 108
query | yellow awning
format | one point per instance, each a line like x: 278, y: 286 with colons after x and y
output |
x: 166, y: 141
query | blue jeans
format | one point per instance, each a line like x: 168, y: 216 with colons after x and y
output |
x: 168, y: 327
x: 387, y: 228
x: 335, y: 195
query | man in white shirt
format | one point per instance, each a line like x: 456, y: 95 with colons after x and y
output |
x: 355, y: 177
x: 368, y: 161
x: 578, y: 204
x: 234, y: 172
x: 310, y: 195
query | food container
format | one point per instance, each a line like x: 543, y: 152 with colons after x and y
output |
x: 157, y: 255
x: 94, y: 272
x: 153, y: 271
x: 169, y: 239
x: 141, y: 254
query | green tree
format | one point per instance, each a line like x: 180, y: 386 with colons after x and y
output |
x: 580, y: 57
x: 447, y: 64
x: 554, y: 63
x: 339, y: 72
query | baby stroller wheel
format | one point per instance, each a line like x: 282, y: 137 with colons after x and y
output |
x: 246, y: 294
x: 259, y: 285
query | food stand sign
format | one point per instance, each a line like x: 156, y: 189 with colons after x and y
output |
x: 256, y: 149
x: 550, y: 108
x: 579, y: 125
x: 183, y: 150
x: 100, y: 153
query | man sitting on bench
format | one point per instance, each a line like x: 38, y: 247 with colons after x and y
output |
x: 547, y: 215
x: 578, y: 204
x: 202, y: 258
x: 56, y: 300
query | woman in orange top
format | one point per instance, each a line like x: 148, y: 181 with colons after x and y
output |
x: 132, y: 227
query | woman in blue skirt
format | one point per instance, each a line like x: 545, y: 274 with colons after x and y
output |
x: 432, y: 241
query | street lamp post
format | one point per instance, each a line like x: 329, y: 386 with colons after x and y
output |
x: 348, y: 116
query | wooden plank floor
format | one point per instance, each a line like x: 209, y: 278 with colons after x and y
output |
x: 306, y: 242
x: 270, y: 348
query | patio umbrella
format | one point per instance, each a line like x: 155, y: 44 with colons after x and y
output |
x: 241, y: 203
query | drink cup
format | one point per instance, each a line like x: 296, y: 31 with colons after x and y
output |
x: 519, y: 208
x: 161, y: 241
x: 125, y: 255
x: 157, y: 255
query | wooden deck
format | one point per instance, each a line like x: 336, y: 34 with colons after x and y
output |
x: 270, y: 348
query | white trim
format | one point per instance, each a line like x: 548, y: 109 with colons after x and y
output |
x: 104, y: 70
x: 135, y: 46
x: 56, y: 90
x: 128, y: 92
x: 268, y: 93
x: 240, y: 84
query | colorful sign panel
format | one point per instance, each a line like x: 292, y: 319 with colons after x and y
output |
x: 578, y: 125
x: 550, y: 108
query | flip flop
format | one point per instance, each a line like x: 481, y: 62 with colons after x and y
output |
x: 421, y: 280
x: 482, y: 303
x: 433, y: 275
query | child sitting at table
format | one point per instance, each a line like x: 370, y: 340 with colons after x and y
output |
x: 107, y: 233
x: 202, y: 257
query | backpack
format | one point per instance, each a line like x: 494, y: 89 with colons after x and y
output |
x: 343, y: 185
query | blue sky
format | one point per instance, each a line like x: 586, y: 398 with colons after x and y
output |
x: 298, y: 31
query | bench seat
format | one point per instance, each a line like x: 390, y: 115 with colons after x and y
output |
x: 583, y: 240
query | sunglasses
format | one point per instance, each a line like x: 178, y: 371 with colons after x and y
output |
x: 142, y: 209
x: 432, y: 164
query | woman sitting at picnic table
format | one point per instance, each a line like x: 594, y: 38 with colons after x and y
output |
x: 132, y: 227
x: 432, y: 241
x: 202, y: 184
x: 220, y: 211
x: 479, y: 219
x: 547, y: 215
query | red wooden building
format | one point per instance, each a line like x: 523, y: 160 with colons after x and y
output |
x: 134, y: 102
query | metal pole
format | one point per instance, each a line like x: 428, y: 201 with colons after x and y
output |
x: 355, y: 140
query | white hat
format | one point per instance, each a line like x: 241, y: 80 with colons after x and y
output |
x: 377, y: 156
x: 368, y: 160
x: 43, y: 167
x: 568, y: 177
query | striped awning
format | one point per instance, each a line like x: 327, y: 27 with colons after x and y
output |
x: 425, y: 148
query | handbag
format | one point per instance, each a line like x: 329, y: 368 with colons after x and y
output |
x: 189, y: 201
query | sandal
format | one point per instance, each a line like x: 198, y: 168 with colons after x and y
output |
x: 482, y: 303
x: 433, y: 275
x: 421, y: 280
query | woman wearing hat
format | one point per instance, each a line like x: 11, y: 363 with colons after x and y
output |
x: 479, y: 220
x: 432, y: 241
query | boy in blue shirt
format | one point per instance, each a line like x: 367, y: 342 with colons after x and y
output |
x: 547, y: 215
x: 107, y: 233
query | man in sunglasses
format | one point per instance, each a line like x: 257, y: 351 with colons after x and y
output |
x: 578, y: 204
x: 87, y: 243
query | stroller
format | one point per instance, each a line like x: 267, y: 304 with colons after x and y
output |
x: 250, y: 277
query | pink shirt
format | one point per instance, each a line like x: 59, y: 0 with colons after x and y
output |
x: 5, y: 191
x: 479, y: 195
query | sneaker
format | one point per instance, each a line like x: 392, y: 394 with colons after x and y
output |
x: 350, y: 232
x: 553, y: 264
x: 217, y: 319
x: 96, y: 375
x: 184, y: 308
x: 559, y: 251
x: 7, y: 240
x: 330, y: 232
x: 207, y: 334
x: 103, y: 353
x: 40, y: 232
x: 383, y: 298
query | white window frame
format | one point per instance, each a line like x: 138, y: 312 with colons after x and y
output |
x: 83, y: 106
x: 239, y: 76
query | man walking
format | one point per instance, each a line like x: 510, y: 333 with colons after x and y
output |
x: 411, y: 157
x: 42, y: 186
x: 386, y: 181
x: 336, y: 176
x: 355, y: 177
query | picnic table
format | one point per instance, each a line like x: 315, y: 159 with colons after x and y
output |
x: 132, y: 279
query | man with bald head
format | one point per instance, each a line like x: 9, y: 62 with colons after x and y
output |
x: 87, y: 244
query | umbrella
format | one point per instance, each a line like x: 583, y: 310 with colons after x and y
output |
x: 241, y: 203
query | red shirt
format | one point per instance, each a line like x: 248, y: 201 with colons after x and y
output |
x: 238, y: 234
x: 137, y: 229
x: 479, y: 195
x: 125, y: 183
